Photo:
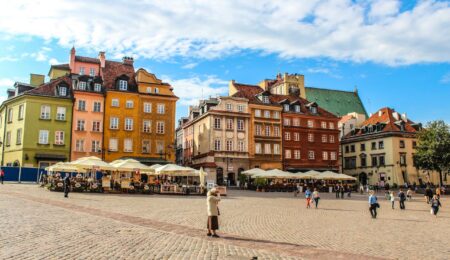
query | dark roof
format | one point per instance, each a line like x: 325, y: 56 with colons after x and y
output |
x: 303, y: 104
x: 337, y: 102
x: 49, y: 89
x: 87, y: 59
x: 113, y: 70
x: 61, y: 66
x: 248, y: 91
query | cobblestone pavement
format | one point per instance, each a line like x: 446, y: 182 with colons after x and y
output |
x: 38, y: 224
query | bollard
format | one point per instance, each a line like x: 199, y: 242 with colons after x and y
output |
x: 20, y: 174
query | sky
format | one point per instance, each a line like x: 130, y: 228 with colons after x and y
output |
x: 395, y: 53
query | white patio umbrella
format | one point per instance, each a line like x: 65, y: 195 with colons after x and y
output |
x: 345, y: 177
x: 63, y: 167
x: 155, y: 166
x: 175, y: 170
x: 311, y: 174
x: 273, y: 174
x: 131, y: 165
x: 327, y: 175
x: 92, y: 162
x: 253, y: 171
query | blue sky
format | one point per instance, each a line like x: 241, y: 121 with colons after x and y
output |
x: 396, y: 53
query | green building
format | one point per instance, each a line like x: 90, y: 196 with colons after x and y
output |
x: 35, y: 123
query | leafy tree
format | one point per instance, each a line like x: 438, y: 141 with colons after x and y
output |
x: 433, y: 148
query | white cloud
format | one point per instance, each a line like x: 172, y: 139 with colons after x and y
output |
x: 191, y: 90
x: 445, y: 78
x: 358, y: 31
x: 54, y: 61
x: 8, y: 58
x: 5, y: 82
x: 190, y: 65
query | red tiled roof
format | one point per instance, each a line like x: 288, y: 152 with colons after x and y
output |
x: 87, y: 59
x: 248, y: 91
x: 113, y: 70
x: 49, y: 88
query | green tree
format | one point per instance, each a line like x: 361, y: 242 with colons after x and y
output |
x: 433, y: 148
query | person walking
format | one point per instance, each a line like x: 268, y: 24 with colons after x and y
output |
x: 2, y: 175
x: 435, y: 204
x: 392, y: 199
x: 373, y: 204
x: 336, y: 190
x: 308, y: 198
x: 66, y: 182
x: 402, y: 198
x: 349, y: 191
x: 316, y: 197
x: 212, y: 201
x: 361, y: 188
x: 409, y: 193
x: 428, y: 194
x: 342, y: 190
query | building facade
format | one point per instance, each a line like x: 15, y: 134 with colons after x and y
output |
x: 381, y: 151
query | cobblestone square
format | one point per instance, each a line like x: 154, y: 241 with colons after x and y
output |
x: 38, y: 224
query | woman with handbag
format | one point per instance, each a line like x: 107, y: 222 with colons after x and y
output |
x: 373, y: 204
x: 212, y: 201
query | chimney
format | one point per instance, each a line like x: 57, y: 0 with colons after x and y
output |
x: 36, y: 80
x: 127, y: 60
x: 380, y: 113
x: 102, y: 58
x: 72, y: 59
x: 404, y: 117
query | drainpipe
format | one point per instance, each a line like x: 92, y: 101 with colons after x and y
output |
x: 4, y: 133
x: 103, y: 126
x: 71, y: 127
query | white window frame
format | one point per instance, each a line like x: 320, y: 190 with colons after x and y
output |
x: 81, y: 125
x: 63, y: 91
x: 129, y: 104
x: 229, y: 145
x: 286, y: 107
x: 160, y: 127
x: 323, y: 124
x: 43, y: 136
x: 97, y: 87
x: 217, y: 123
x: 276, y: 131
x: 297, y: 154
x: 147, y: 145
x: 241, y: 108
x: 324, y: 139
x: 61, y: 113
x: 161, y: 109
x: 296, y: 137
x: 217, y: 145
x: 123, y: 85
x: 44, y: 113
x: 95, y: 146
x: 240, y: 125
x: 82, y: 85
x: 311, y: 155
x: 310, y: 137
x: 257, y: 113
x: 276, y: 115
x: 296, y: 122
x: 310, y: 123
x: 241, y: 146
x: 333, y: 156
x: 146, y: 126
x: 115, y: 102
x: 79, y: 145
x: 128, y: 145
x: 266, y: 113
x: 59, y: 137
x: 287, y: 136
x: 267, y: 149
x: 258, y: 148
x: 331, y: 138
x: 229, y: 106
x: 114, y: 122
x: 297, y: 108
x: 81, y: 107
x: 267, y: 130
x: 19, y: 136
x: 287, y: 121
x: 230, y: 124
x: 325, y: 155
x: 276, y: 149
x: 113, y: 144
x: 81, y: 70
x: 287, y: 154
x: 258, y: 129
x: 128, y: 124
x: 331, y: 125
x: 96, y: 126
x: 147, y: 107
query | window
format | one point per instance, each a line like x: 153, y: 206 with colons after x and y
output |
x: 266, y: 99
x: 267, y: 131
x: 160, y: 127
x: 156, y: 90
x: 229, y: 124
x: 59, y: 137
x: 115, y: 102
x: 129, y: 104
x: 229, y: 145
x: 267, y: 114
x: 43, y: 136
x: 217, y: 123
x: 123, y: 85
x: 347, y: 149
x: 240, y: 125
x: 241, y: 146
x: 296, y: 137
x: 147, y: 107
x: 10, y: 114
x: 92, y: 72
x: 114, y: 123
x: 96, y: 126
x: 240, y: 108
x: 62, y: 91
x: 331, y: 137
x: 414, y: 144
x: 97, y: 87
x: 95, y: 147
x: 217, y: 145
x: 276, y: 114
x: 333, y: 156
x: 402, y: 159
x: 276, y: 149
x: 82, y: 85
x: 314, y: 110
x: 363, y: 161
x: 286, y: 108
x: 19, y: 136
x: 287, y: 136
x: 374, y: 145
x: 161, y: 108
x: 145, y: 146
x: 362, y: 147
x: 128, y: 124
x: 310, y: 137
x: 287, y: 154
x: 324, y: 124
x: 352, y: 148
x: 79, y: 145
x: 402, y: 144
x: 287, y: 122
x: 297, y: 154
x: 20, y: 112
x: 267, y: 149
x: 380, y: 145
x: 382, y: 160
x: 160, y: 147
x: 147, y: 126
x: 310, y: 123
x: 97, y: 106
x: 229, y: 107
x: 276, y: 131
x: 45, y: 112
x: 128, y: 145
x: 311, y: 155
x: 113, y: 144
x: 324, y: 138
x: 81, y: 70
x: 258, y: 129
x: 324, y: 156
x: 331, y: 125
x: 296, y: 122
x: 81, y: 105
x: 258, y: 113
x: 80, y: 125
x: 258, y: 148
x: 374, y: 161
x: 148, y: 90
x: 297, y: 108
x: 8, y: 138
x: 60, y: 113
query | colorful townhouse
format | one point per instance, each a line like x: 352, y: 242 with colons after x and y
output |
x: 36, y: 123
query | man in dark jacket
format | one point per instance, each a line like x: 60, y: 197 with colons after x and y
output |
x: 402, y: 198
x: 66, y: 185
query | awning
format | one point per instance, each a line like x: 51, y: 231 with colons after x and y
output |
x: 49, y: 156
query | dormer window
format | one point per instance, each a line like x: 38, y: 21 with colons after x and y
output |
x: 62, y: 91
x: 229, y: 107
x: 297, y: 108
x: 156, y: 90
x: 82, y: 85
x: 286, y: 107
x: 265, y: 99
x: 123, y: 85
x: 313, y: 109
x: 97, y: 87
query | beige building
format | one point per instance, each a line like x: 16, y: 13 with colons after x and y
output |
x: 381, y: 151
x: 216, y: 138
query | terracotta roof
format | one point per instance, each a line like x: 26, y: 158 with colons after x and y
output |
x: 49, y: 89
x: 113, y: 70
x: 87, y: 59
x: 248, y: 91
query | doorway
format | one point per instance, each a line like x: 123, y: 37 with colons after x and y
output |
x: 231, y: 179
x: 219, y: 176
